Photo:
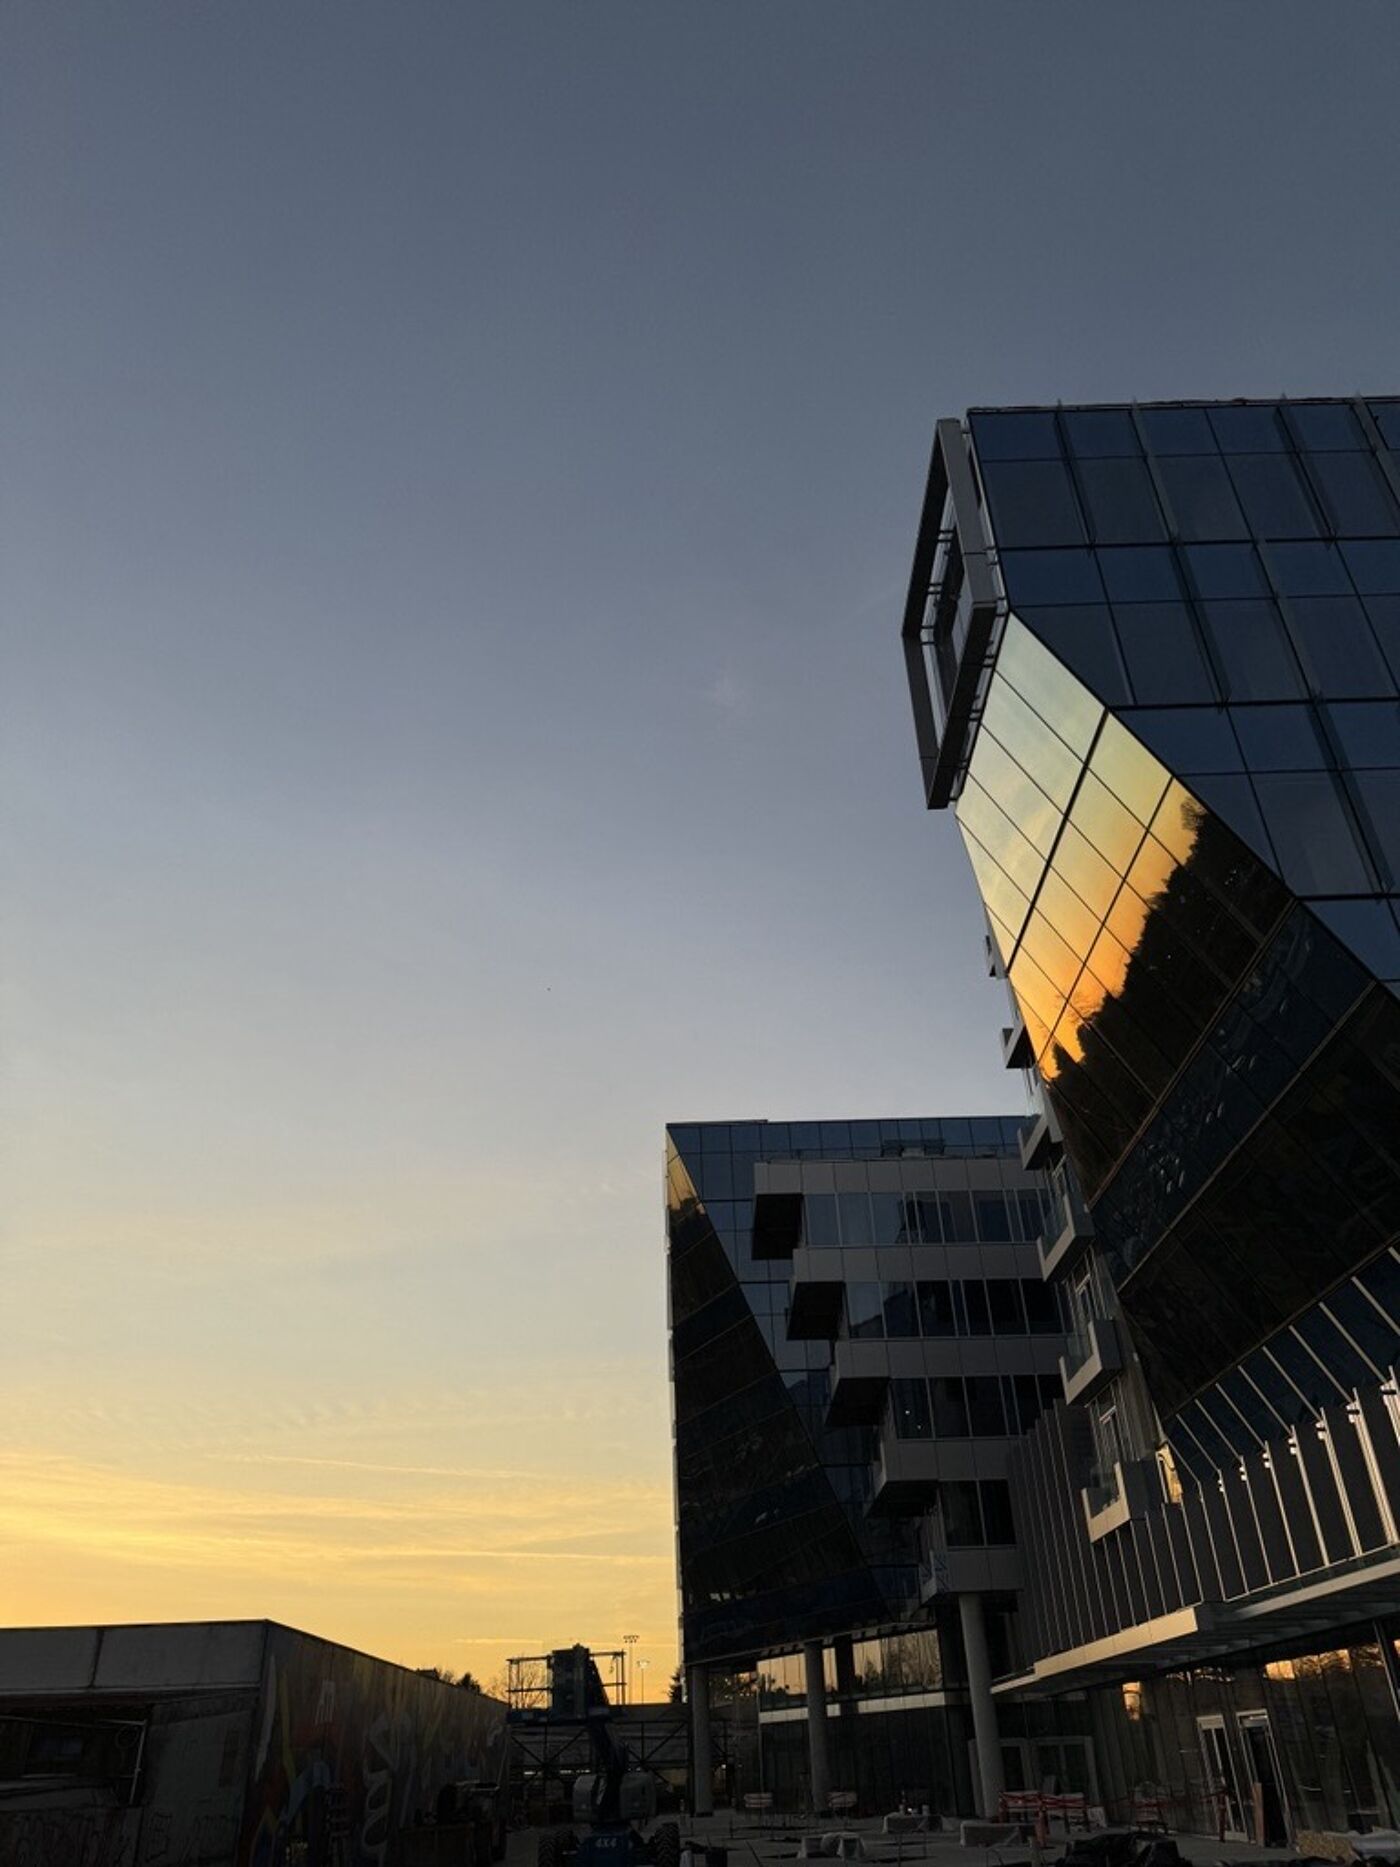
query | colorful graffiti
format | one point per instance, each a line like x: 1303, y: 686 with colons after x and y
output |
x: 347, y: 1750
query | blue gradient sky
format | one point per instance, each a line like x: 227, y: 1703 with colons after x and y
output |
x: 460, y: 466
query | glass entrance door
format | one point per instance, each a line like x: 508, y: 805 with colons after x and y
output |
x: 1264, y: 1777
x: 1222, y: 1784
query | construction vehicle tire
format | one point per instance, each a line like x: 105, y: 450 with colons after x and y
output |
x: 666, y: 1845
x: 548, y: 1851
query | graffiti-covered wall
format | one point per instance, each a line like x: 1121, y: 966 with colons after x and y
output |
x: 341, y: 1740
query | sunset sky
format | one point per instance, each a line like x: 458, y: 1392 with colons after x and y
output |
x: 458, y: 478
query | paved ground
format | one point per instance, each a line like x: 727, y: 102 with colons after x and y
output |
x: 753, y: 1844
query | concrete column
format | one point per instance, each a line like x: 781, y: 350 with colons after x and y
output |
x: 984, y: 1709
x: 702, y: 1768
x: 819, y: 1765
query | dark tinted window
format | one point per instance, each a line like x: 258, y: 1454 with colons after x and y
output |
x: 1042, y: 1307
x: 819, y: 1219
x: 1066, y: 576
x: 1375, y: 568
x: 997, y: 1526
x: 1369, y: 929
x: 1027, y: 436
x: 1273, y: 495
x: 1082, y: 637
x: 936, y: 1307
x: 1379, y: 792
x: 865, y: 1315
x: 1253, y: 650
x: 1367, y: 732
x: 1177, y: 430
x: 1032, y: 503
x: 913, y: 1418
x: 1354, y: 494
x: 949, y: 1407
x: 1146, y: 574
x: 1121, y: 501
x: 901, y: 1315
x: 1248, y: 430
x: 1004, y: 1302
x: 1165, y: 662
x: 1324, y: 425
x: 986, y: 1416
x: 1223, y: 571
x: 993, y: 1221
x: 957, y: 1218
x: 1187, y: 739
x: 887, y: 1210
x: 1338, y: 647
x: 1100, y: 432
x: 1312, y: 834
x: 1307, y: 569
x: 1200, y: 499
x: 962, y: 1519
x: 855, y: 1219
x: 974, y: 1296
x: 1279, y: 738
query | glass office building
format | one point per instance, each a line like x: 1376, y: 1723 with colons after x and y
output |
x: 1154, y: 657
x: 860, y: 1333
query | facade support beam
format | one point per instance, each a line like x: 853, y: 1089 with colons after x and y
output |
x: 984, y: 1710
x: 818, y: 1755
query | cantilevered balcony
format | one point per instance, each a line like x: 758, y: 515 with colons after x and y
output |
x: 1128, y: 1489
x: 860, y: 1380
x: 1070, y: 1228
x: 1093, y: 1355
x: 1017, y: 1051
x: 1041, y: 1141
x: 815, y: 1296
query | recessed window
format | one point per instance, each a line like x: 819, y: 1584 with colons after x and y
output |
x: 1004, y: 1302
x: 975, y: 1308
x: 1312, y: 834
x: 986, y: 1414
x: 949, y: 1407
x: 913, y: 1417
x: 997, y: 1525
x: 1200, y: 497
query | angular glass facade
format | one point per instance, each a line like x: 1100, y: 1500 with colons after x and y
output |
x: 1154, y: 655
x: 776, y: 1540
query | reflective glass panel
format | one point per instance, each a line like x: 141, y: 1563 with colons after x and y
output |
x: 1004, y: 901
x: 978, y: 1315
x: 1225, y: 571
x: 1082, y: 637
x: 935, y: 1307
x: 1306, y: 569
x: 1253, y: 650
x: 1036, y: 749
x: 1187, y: 739
x: 998, y: 835
x: 1101, y: 433
x: 1368, y: 732
x: 1324, y: 425
x: 1368, y: 928
x: 1028, y: 435
x: 949, y: 1407
x: 854, y: 1209
x: 995, y: 771
x: 1108, y: 825
x: 986, y: 1415
x: 1165, y: 662
x: 865, y: 1313
x: 1374, y: 567
x: 1279, y: 738
x: 1354, y: 494
x: 1067, y: 913
x: 1248, y: 430
x: 1311, y: 833
x: 1379, y: 792
x: 1065, y: 576
x: 1128, y: 769
x: 1032, y: 503
x: 1200, y: 497
x: 901, y: 1313
x: 1144, y: 574
x: 1040, y: 679
x: 1275, y: 500
x: 1085, y: 870
x: 1122, y: 502
x: 1338, y: 648
x: 819, y: 1220
x: 1177, y: 430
